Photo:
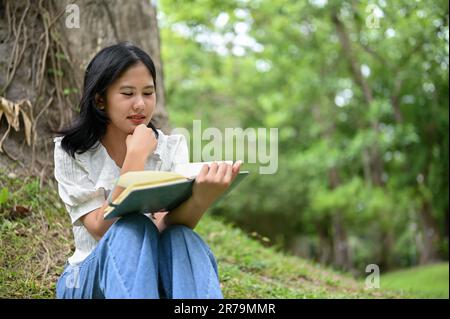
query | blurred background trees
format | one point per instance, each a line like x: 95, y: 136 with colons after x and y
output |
x: 359, y: 92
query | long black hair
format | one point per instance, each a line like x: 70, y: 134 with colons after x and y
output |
x: 102, y: 71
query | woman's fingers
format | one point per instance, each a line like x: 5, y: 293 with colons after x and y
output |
x: 212, y: 171
x: 221, y: 172
x: 236, y: 168
x: 228, y: 174
x: 203, y: 173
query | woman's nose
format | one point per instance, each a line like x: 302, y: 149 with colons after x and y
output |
x: 139, y: 103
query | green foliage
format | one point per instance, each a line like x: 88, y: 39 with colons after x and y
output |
x: 4, y: 193
x: 294, y: 72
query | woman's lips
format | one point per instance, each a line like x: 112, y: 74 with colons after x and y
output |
x: 136, y: 119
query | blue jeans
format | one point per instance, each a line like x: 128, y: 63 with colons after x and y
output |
x: 133, y: 260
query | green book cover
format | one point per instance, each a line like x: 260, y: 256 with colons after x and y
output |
x: 160, y: 198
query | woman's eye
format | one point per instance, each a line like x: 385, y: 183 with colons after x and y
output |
x: 130, y: 94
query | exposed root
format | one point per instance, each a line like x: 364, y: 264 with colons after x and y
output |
x: 51, y: 74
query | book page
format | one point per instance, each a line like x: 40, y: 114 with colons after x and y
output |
x: 147, y: 178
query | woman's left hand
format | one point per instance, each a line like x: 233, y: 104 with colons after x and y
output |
x: 213, y: 181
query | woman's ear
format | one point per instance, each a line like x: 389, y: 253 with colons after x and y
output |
x: 99, y: 102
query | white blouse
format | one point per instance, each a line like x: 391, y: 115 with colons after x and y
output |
x: 85, y: 182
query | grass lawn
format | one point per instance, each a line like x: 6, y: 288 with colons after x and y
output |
x: 36, y: 240
x: 429, y: 281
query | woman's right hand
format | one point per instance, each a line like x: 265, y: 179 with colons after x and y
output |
x: 212, y: 181
x: 142, y: 142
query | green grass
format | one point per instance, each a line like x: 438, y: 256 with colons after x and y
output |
x: 248, y: 269
x: 35, y: 246
x: 429, y: 281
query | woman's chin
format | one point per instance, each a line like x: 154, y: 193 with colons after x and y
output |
x: 133, y: 126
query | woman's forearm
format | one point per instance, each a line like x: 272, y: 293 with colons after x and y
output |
x: 188, y: 213
x: 132, y: 162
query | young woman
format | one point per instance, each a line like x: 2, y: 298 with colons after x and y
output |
x: 134, y: 256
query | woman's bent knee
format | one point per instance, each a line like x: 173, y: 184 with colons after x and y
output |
x: 181, y: 232
x: 178, y: 230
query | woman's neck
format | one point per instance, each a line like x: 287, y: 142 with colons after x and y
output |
x: 115, y: 145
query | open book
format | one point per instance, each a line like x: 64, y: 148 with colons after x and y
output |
x: 158, y: 191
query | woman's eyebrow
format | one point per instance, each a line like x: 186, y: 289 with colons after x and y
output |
x: 132, y: 87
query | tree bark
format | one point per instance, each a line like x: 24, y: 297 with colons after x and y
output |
x: 43, y: 60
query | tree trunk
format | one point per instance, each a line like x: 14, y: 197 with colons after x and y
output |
x: 339, y: 241
x: 341, y: 251
x: 325, y: 244
x: 385, y: 252
x: 429, y: 252
x: 375, y: 162
x: 432, y: 236
x: 43, y: 60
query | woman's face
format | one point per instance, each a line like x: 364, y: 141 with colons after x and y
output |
x: 130, y: 100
